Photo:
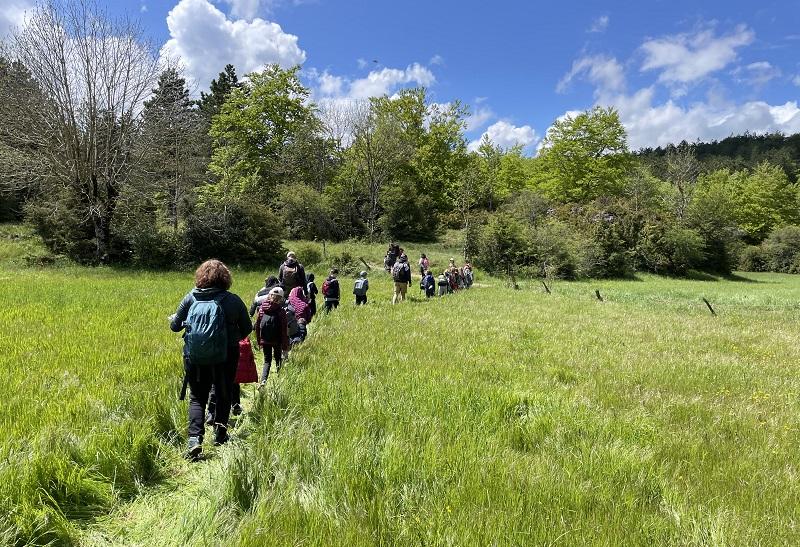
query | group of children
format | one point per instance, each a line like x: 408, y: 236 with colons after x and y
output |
x: 282, y: 321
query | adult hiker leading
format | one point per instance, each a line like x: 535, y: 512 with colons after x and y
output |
x: 292, y: 274
x: 214, y: 320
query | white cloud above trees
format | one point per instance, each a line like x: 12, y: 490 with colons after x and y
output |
x: 507, y: 135
x: 682, y: 61
x: 384, y: 81
x: 689, y: 57
x: 204, y: 40
x: 600, y: 24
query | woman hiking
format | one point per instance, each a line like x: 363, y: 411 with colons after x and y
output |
x: 214, y: 320
x: 272, y: 331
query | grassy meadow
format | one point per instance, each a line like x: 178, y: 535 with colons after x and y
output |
x: 492, y: 416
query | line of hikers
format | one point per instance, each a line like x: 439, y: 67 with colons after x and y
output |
x: 217, y: 326
x: 452, y: 279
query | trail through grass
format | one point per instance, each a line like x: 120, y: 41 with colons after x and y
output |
x: 488, y: 417
x: 513, y: 417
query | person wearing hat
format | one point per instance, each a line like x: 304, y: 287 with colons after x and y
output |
x: 291, y: 274
x: 360, y: 288
x: 272, y: 331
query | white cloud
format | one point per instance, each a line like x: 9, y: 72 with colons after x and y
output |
x: 244, y: 9
x: 600, y: 24
x: 686, y: 58
x: 478, y: 118
x: 377, y: 83
x: 756, y: 74
x: 652, y: 124
x: 205, y: 40
x: 330, y: 84
x: 436, y: 60
x: 12, y: 15
x: 604, y: 72
x: 362, y: 63
x: 506, y: 135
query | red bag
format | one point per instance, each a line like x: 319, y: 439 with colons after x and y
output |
x: 246, y: 372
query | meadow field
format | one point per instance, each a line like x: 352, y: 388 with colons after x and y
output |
x: 493, y: 416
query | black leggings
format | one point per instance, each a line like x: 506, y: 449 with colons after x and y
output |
x: 268, y: 352
x: 201, y: 379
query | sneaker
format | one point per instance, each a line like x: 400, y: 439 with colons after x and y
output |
x: 220, y: 434
x: 209, y: 419
x: 237, y: 409
x: 194, y: 449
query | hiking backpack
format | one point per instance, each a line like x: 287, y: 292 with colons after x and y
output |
x: 360, y: 288
x: 326, y: 287
x: 290, y: 276
x: 398, y: 270
x: 270, y: 328
x: 292, y: 327
x: 206, y: 336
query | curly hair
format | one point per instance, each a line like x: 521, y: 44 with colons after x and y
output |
x: 213, y: 274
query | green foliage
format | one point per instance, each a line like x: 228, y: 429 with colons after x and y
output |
x: 256, y: 122
x: 668, y: 249
x: 765, y: 199
x: 307, y: 214
x: 780, y: 252
x: 234, y: 231
x: 407, y: 216
x: 584, y: 157
x: 503, y: 245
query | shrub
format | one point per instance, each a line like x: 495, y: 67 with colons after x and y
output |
x: 308, y: 253
x: 752, y: 259
x: 407, y: 216
x: 307, y: 214
x: 234, y: 232
x: 503, y: 245
x: 670, y: 249
x: 782, y: 248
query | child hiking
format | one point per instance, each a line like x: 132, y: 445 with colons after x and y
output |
x: 272, y: 331
x: 360, y: 288
x: 428, y: 284
x: 311, y: 292
x: 330, y: 291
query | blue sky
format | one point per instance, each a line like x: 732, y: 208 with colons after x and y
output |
x: 674, y: 69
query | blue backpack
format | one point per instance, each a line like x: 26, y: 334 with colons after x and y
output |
x: 206, y: 337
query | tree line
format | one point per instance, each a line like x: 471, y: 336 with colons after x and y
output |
x: 105, y: 152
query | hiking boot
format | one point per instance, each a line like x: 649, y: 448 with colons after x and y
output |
x: 220, y: 434
x: 209, y: 419
x: 194, y: 449
x: 237, y: 409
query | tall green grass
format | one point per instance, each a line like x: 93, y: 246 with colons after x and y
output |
x: 514, y: 417
x: 491, y: 416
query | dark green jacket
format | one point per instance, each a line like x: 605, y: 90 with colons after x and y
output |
x: 236, y: 316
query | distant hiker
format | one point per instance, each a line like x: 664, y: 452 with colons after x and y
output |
x: 401, y: 274
x: 272, y: 332
x: 214, y: 320
x: 428, y: 284
x: 452, y: 277
x: 297, y: 300
x: 330, y: 291
x: 292, y: 274
x: 391, y: 257
x: 424, y: 264
x: 311, y: 293
x: 452, y: 264
x: 262, y: 293
x: 360, y: 288
x: 444, y: 284
x: 468, y: 275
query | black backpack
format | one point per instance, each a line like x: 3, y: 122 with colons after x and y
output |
x: 398, y: 271
x: 270, y: 327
